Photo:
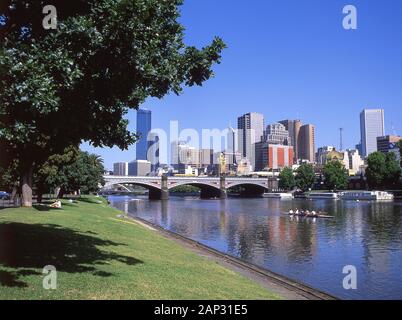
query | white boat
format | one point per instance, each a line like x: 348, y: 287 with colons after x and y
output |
x: 278, y: 195
x: 366, y: 195
x: 322, y: 195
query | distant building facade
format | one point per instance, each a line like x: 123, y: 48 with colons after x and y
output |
x: 306, y: 145
x: 277, y: 134
x: 293, y: 127
x: 250, y: 131
x: 273, y: 156
x: 120, y: 169
x: 371, y: 127
x: 139, y: 168
x: 386, y: 143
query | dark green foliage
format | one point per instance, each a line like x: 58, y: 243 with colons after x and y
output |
x: 305, y: 177
x: 72, y: 171
x: 336, y: 176
x: 286, y: 179
x: 383, y: 170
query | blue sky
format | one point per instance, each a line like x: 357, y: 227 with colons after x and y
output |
x: 289, y: 59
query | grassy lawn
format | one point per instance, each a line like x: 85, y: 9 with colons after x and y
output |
x: 99, y: 256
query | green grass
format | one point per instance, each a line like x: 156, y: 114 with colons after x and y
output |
x: 99, y: 256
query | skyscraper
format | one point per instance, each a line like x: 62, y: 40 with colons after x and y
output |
x: 371, y: 127
x: 144, y: 127
x: 293, y: 127
x: 277, y: 134
x: 120, y: 169
x: 306, y: 145
x: 251, y: 131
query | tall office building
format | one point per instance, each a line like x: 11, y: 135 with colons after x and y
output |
x: 293, y: 127
x: 144, y: 127
x: 250, y: 131
x: 139, y: 168
x: 306, y: 145
x: 371, y: 127
x: 120, y: 169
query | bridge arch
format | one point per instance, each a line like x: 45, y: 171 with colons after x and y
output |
x: 208, y: 190
x: 247, y: 189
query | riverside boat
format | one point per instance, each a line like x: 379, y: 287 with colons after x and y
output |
x: 322, y: 195
x: 367, y: 195
x: 278, y: 195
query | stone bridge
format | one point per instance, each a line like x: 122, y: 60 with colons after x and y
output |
x: 211, y: 187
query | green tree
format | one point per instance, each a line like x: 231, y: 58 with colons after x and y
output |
x: 383, y: 170
x: 392, y: 171
x: 336, y: 176
x: 287, y: 179
x: 76, y: 83
x: 399, y: 144
x: 305, y: 177
x: 72, y: 171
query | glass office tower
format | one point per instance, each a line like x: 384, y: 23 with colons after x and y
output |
x: 144, y: 127
x: 371, y: 126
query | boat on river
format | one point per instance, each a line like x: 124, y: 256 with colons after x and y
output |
x: 278, y: 195
x: 322, y: 195
x: 307, y: 214
x: 366, y: 195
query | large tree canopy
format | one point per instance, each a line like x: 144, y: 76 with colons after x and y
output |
x: 60, y: 87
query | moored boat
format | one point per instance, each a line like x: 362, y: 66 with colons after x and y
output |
x: 278, y: 195
x: 322, y: 195
x: 366, y: 195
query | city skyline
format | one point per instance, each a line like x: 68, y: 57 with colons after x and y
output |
x: 309, y: 69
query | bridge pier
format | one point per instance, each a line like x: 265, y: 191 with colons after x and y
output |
x: 223, y: 191
x: 163, y: 193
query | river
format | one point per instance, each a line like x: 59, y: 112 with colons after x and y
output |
x: 366, y: 235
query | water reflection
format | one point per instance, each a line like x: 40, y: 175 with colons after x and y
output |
x: 367, y: 235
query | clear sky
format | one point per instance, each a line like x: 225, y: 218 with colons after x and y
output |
x: 289, y: 59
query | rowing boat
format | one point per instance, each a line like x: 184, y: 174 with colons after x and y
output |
x: 320, y: 216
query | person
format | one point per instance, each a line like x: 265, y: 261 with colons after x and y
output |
x: 291, y: 212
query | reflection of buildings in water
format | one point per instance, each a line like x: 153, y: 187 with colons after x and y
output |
x: 293, y: 238
x: 223, y: 217
x: 381, y: 234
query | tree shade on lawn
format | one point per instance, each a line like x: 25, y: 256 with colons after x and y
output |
x: 99, y: 256
x: 61, y: 87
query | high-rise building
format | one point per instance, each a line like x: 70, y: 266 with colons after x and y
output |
x: 306, y: 143
x: 120, y: 169
x: 371, y: 127
x: 206, y: 157
x: 293, y: 127
x: 144, y: 127
x: 250, y: 131
x: 277, y: 134
x: 183, y: 155
x: 231, y: 145
x: 139, y: 168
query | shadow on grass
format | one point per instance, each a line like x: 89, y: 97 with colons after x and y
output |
x: 26, y: 248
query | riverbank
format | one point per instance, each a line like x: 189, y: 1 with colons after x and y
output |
x: 101, y: 256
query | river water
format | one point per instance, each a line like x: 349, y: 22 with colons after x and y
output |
x: 366, y: 235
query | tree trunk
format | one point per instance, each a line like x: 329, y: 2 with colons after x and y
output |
x: 61, y: 193
x: 26, y: 187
